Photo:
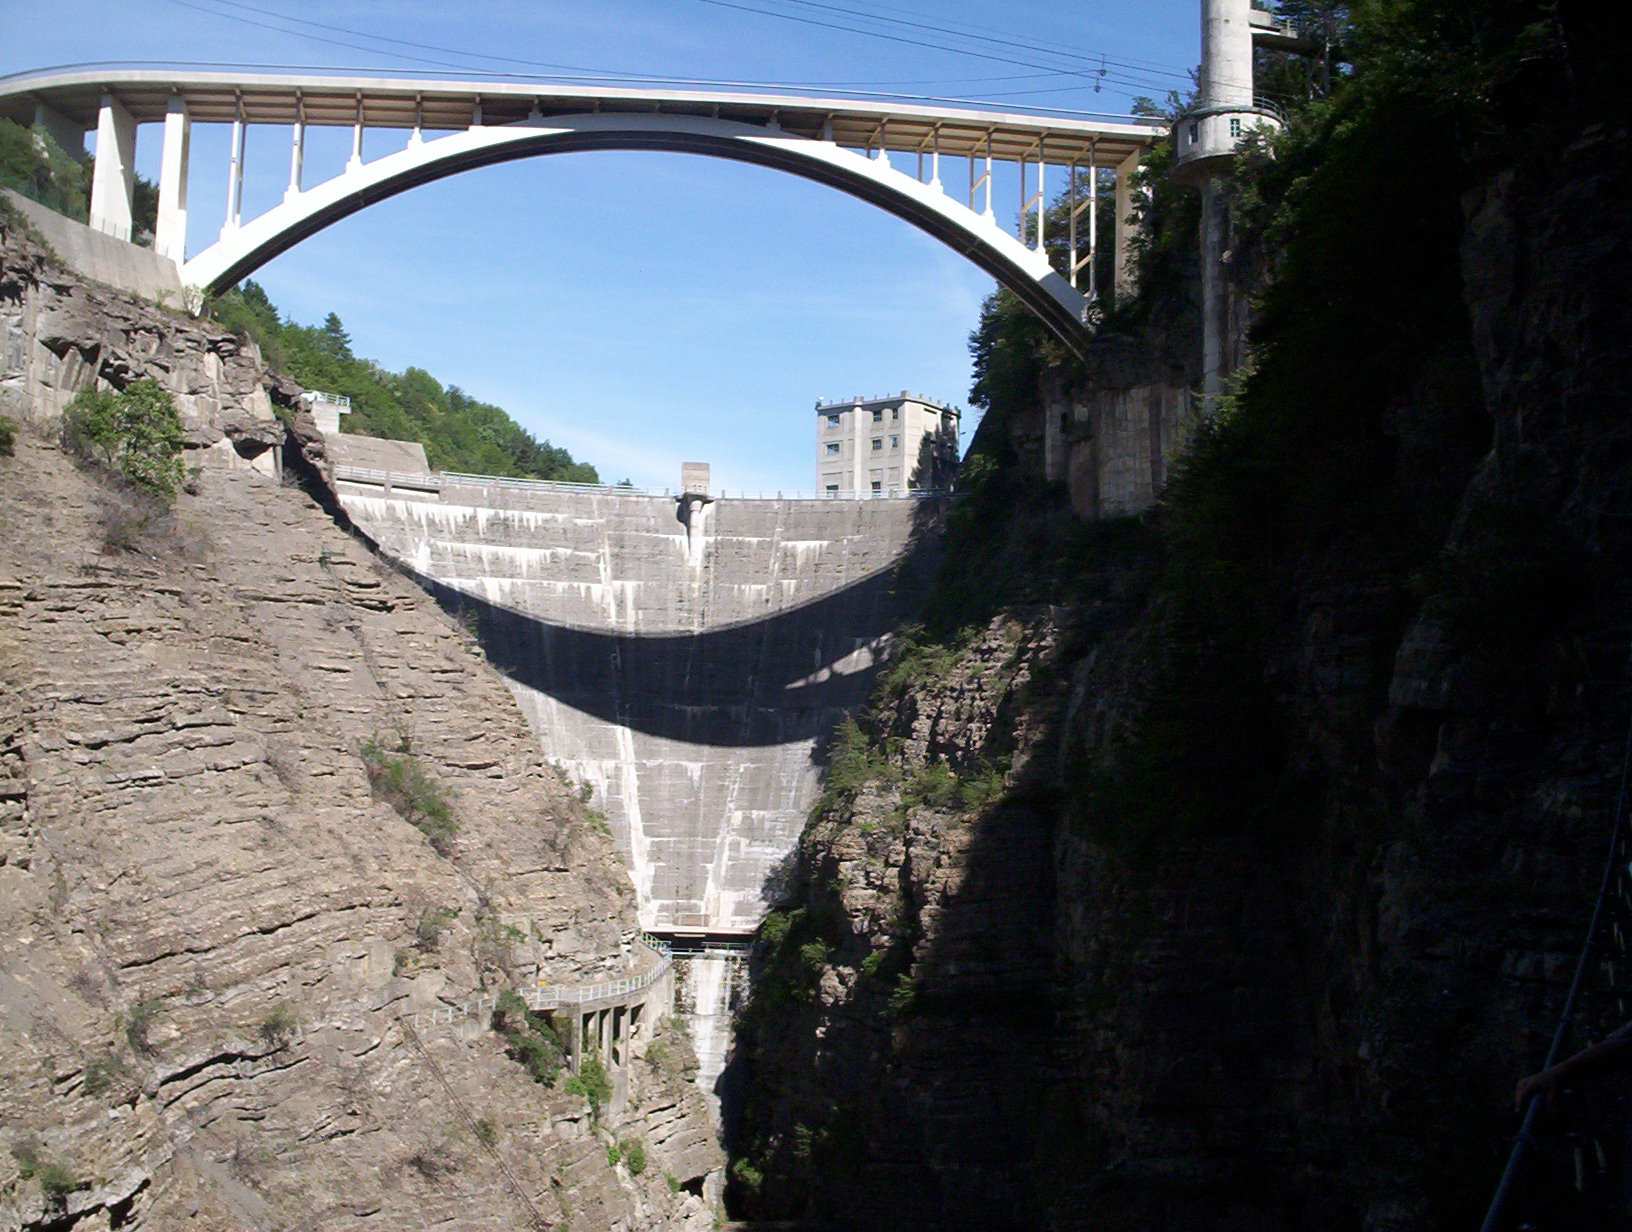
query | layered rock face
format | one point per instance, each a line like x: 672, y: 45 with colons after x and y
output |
x: 59, y: 334
x: 1025, y: 1013
x: 212, y: 935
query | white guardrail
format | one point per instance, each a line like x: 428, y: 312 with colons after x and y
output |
x: 438, y: 480
x: 549, y: 997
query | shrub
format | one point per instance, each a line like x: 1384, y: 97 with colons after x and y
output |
x: 140, y: 1022
x: 935, y: 785
x: 433, y: 922
x: 904, y: 998
x: 591, y: 1081
x: 26, y: 1151
x: 57, y: 1182
x: 100, y: 1072
x: 136, y: 433
x: 487, y: 1133
x: 634, y: 1155
x: 8, y: 437
x: 530, y: 1039
x: 278, y: 1027
x: 395, y: 776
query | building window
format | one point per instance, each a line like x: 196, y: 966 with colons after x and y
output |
x: 895, y: 414
x: 878, y: 485
x: 832, y: 488
x: 832, y: 447
x: 1235, y: 127
x: 1195, y: 132
x: 895, y: 442
x: 832, y: 421
x: 878, y: 443
x: 878, y: 416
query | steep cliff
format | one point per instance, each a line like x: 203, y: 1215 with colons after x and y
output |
x: 213, y: 935
x: 1301, y: 821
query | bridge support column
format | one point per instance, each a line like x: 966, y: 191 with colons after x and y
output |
x: 170, y: 236
x: 1125, y: 281
x: 114, y: 180
x: 235, y: 176
x: 297, y: 153
x: 63, y: 132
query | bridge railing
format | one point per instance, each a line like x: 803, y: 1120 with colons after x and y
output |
x: 546, y: 997
x: 441, y: 480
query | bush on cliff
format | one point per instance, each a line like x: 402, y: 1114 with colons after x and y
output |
x: 395, y: 776
x: 8, y: 437
x: 135, y: 432
x: 530, y: 1039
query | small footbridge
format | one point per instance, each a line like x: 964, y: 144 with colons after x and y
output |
x: 451, y: 126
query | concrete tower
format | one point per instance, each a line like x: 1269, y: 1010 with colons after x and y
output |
x: 1205, y: 140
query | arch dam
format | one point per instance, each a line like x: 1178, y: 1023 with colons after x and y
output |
x: 682, y: 657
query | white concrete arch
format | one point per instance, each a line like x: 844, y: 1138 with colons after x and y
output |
x: 1027, y: 272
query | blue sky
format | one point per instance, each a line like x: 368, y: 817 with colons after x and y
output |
x: 640, y: 309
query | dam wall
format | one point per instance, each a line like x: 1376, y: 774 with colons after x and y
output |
x: 684, y: 662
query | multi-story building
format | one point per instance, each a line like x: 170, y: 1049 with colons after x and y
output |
x: 897, y: 443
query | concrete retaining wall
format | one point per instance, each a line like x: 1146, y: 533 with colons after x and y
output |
x: 102, y: 258
x: 686, y: 678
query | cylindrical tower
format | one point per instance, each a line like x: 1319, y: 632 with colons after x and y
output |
x: 1206, y: 136
x: 1205, y: 139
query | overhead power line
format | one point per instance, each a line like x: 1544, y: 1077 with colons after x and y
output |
x: 1088, y: 58
x: 592, y: 73
x: 1090, y: 76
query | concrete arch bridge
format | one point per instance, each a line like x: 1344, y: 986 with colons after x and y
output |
x: 453, y: 126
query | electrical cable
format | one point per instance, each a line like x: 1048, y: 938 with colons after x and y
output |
x: 998, y: 39
x: 592, y: 73
x: 1118, y: 79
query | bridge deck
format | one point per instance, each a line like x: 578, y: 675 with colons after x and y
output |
x: 437, y: 104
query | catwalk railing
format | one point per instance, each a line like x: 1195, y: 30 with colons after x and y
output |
x: 545, y: 997
x: 440, y: 480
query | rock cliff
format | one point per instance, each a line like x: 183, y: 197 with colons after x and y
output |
x: 1057, y: 1005
x: 212, y: 934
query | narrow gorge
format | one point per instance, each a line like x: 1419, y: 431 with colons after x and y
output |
x: 1191, y: 821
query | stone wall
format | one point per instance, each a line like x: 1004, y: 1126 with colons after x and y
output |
x: 114, y: 262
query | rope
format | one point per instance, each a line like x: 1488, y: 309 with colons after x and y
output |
x: 459, y: 1106
x: 1524, y: 1141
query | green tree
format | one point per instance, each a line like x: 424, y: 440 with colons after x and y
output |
x: 41, y: 170
x: 459, y: 432
x: 136, y: 432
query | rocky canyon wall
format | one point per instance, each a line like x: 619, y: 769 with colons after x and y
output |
x: 213, y: 935
x: 1288, y: 980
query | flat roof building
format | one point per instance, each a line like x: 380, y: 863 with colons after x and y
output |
x: 898, y: 443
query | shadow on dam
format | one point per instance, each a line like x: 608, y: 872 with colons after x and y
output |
x: 786, y: 677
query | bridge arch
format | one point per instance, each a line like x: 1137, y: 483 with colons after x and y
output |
x: 977, y: 237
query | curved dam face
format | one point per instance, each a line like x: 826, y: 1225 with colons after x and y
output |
x: 685, y: 660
